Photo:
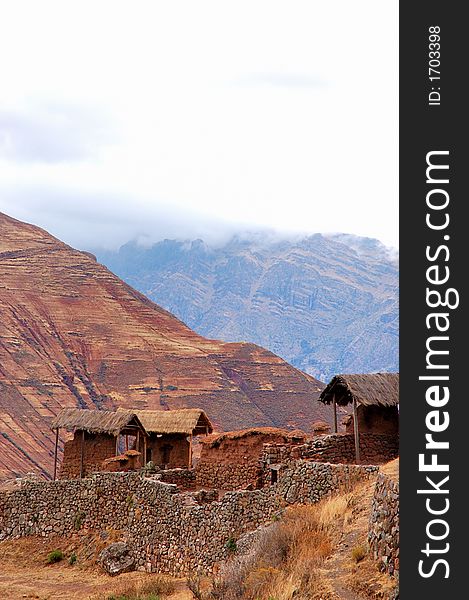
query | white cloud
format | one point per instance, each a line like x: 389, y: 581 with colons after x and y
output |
x: 257, y: 113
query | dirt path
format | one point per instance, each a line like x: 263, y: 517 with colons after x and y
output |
x: 59, y: 583
x: 348, y: 579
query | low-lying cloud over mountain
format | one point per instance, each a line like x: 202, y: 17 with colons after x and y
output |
x: 326, y: 304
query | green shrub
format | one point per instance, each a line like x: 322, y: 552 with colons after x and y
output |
x: 78, y: 520
x: 231, y: 545
x: 73, y: 559
x: 54, y: 557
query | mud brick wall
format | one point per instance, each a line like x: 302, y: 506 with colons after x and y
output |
x: 336, y: 448
x: 383, y: 532
x: 243, y: 449
x: 229, y: 477
x: 167, y: 531
x: 170, y: 450
x: 96, y: 449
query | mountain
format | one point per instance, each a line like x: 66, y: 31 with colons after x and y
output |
x: 73, y: 334
x: 326, y: 304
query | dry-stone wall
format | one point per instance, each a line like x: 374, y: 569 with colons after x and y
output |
x: 336, y: 448
x: 183, y: 478
x: 228, y: 477
x: 167, y: 531
x: 383, y: 534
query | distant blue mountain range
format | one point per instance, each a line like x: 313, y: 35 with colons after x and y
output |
x: 326, y: 304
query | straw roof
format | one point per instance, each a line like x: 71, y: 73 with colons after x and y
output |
x: 378, y: 389
x: 188, y: 421
x: 95, y: 421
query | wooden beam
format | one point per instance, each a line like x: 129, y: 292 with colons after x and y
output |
x: 144, y: 450
x: 55, y: 452
x: 82, y: 451
x: 334, y: 404
x: 355, y: 431
x: 190, y: 451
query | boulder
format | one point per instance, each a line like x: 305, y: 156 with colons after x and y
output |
x: 117, y: 558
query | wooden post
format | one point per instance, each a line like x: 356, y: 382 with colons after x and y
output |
x: 190, y: 451
x: 335, y: 412
x: 117, y: 444
x: 144, y: 449
x: 355, y: 431
x: 55, y: 452
x: 137, y: 447
x: 82, y: 451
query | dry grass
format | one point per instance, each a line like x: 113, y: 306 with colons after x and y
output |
x: 153, y: 587
x: 316, y: 552
x: 286, y: 559
x: 24, y: 572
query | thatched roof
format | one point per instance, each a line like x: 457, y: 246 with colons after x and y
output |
x: 95, y: 421
x: 216, y: 439
x: 379, y: 389
x: 188, y: 421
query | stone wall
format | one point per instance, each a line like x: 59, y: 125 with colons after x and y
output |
x: 336, y: 448
x: 167, y: 531
x: 383, y: 533
x: 229, y: 477
x: 183, y: 478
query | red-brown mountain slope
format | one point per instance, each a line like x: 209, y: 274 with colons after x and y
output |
x: 73, y: 334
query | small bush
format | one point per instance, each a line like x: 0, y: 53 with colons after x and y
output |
x: 54, y: 557
x: 78, y: 520
x: 73, y: 559
x: 358, y: 553
x: 231, y: 545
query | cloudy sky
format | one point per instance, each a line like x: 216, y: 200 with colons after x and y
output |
x: 186, y: 119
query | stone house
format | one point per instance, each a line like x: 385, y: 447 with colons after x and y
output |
x: 375, y: 404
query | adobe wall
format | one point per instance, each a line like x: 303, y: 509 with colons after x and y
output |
x: 336, y: 448
x: 179, y: 454
x: 383, y: 532
x: 167, y: 531
x: 235, y: 462
x: 240, y: 450
x: 376, y: 419
x: 96, y: 449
